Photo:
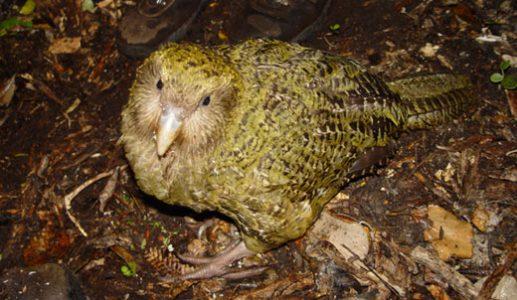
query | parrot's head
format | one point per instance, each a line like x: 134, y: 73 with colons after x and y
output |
x: 181, y: 97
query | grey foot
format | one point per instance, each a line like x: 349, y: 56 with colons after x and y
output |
x: 219, y: 266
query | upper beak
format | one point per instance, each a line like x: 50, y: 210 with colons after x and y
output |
x: 168, y: 128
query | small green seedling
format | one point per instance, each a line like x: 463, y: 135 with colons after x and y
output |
x: 22, y: 21
x: 88, y: 5
x: 334, y: 27
x: 129, y: 270
x: 507, y: 81
x: 28, y: 7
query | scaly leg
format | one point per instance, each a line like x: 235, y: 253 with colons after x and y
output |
x: 218, y: 266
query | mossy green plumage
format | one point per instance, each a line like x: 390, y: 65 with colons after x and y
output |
x: 286, y: 127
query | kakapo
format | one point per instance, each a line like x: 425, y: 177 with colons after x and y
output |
x: 267, y: 132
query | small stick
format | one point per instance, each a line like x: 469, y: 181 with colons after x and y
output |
x: 457, y: 281
x: 45, y: 89
x: 67, y: 200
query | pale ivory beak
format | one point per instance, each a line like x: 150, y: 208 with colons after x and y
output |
x: 170, y: 122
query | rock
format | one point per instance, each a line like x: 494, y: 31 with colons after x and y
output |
x: 44, y: 282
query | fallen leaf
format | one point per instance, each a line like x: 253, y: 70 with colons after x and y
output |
x: 123, y: 253
x: 429, y: 50
x: 350, y: 238
x: 7, y: 89
x: 196, y: 247
x: 222, y: 36
x: 447, y: 174
x: 437, y: 292
x: 480, y: 218
x: 95, y: 263
x: 512, y: 102
x: 28, y: 7
x: 506, y: 288
x: 104, y: 3
x: 65, y: 45
x: 88, y: 5
x: 449, y: 236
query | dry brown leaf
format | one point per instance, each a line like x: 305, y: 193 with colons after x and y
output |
x: 480, y: 218
x: 512, y: 102
x: 350, y: 238
x: 122, y: 253
x: 437, y: 292
x: 447, y: 174
x: 65, y: 45
x: 222, y: 36
x: 506, y: 288
x: 429, y: 50
x: 196, y: 247
x: 7, y: 88
x: 449, y: 236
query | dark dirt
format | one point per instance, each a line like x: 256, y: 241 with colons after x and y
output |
x: 46, y: 152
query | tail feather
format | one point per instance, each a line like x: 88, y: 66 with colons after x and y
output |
x: 434, y: 99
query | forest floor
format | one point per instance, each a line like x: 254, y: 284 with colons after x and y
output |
x: 433, y: 223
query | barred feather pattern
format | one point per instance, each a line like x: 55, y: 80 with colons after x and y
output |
x: 295, y: 122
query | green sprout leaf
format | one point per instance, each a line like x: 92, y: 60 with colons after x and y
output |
x: 335, y: 27
x: 509, y: 82
x: 13, y: 22
x: 129, y: 270
x: 88, y: 5
x: 126, y: 198
x: 166, y: 241
x: 504, y: 65
x: 28, y: 7
x: 496, y: 77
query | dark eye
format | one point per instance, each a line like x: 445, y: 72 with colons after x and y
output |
x: 206, y: 101
x: 159, y: 84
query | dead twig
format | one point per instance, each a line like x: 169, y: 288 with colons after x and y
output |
x: 67, y: 200
x: 416, y: 12
x: 329, y: 43
x: 42, y: 167
x: 457, y: 281
x: 45, y: 89
x: 356, y: 264
x: 80, y: 159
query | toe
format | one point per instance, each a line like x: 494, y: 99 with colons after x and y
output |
x: 193, y: 260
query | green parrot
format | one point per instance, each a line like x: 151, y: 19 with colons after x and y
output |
x: 267, y: 132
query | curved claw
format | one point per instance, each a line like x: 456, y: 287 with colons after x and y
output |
x: 201, y: 228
